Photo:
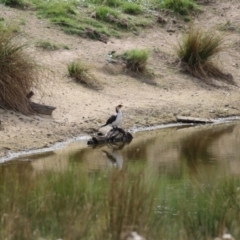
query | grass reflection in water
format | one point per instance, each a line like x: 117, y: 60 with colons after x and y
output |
x: 107, y: 204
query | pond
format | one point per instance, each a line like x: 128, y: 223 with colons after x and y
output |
x: 172, y: 183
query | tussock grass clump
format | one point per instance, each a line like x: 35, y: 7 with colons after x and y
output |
x: 183, y: 7
x: 136, y: 60
x: 18, y: 72
x: 81, y: 73
x: 131, y: 8
x: 198, y: 50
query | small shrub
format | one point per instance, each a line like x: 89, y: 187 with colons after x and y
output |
x: 136, y: 60
x: 81, y: 73
x: 131, y: 8
x: 18, y: 72
x: 183, y: 7
x: 197, y: 51
x: 47, y: 45
x: 103, y: 11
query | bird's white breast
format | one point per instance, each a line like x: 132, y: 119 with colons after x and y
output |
x: 118, y: 119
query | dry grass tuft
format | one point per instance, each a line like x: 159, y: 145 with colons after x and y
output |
x: 198, y: 51
x: 18, y: 73
x: 81, y: 73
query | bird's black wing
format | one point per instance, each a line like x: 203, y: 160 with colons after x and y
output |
x: 111, y: 119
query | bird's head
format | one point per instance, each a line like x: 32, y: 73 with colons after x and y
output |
x: 119, y: 106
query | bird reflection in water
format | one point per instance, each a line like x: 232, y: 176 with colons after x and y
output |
x: 114, y: 155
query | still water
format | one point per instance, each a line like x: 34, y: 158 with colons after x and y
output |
x: 172, y: 183
x: 202, y: 151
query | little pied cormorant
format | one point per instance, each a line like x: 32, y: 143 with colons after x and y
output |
x: 116, y: 119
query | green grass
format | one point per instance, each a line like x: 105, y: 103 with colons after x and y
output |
x: 113, y: 18
x: 136, y: 60
x: 103, y: 11
x: 55, y: 9
x: 73, y: 204
x: 61, y: 13
x: 102, y: 16
x: 75, y: 17
x: 107, y: 204
x: 73, y: 21
x: 131, y: 8
x: 68, y: 25
x: 183, y: 7
x: 200, y: 211
x: 198, y: 51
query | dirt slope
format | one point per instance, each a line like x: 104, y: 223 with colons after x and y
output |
x: 80, y: 109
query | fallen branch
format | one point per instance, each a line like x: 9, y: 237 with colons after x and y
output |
x: 41, y: 108
x: 184, y: 119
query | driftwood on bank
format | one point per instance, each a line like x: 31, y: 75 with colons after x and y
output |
x: 114, y: 135
x: 184, y: 119
x: 40, y: 108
